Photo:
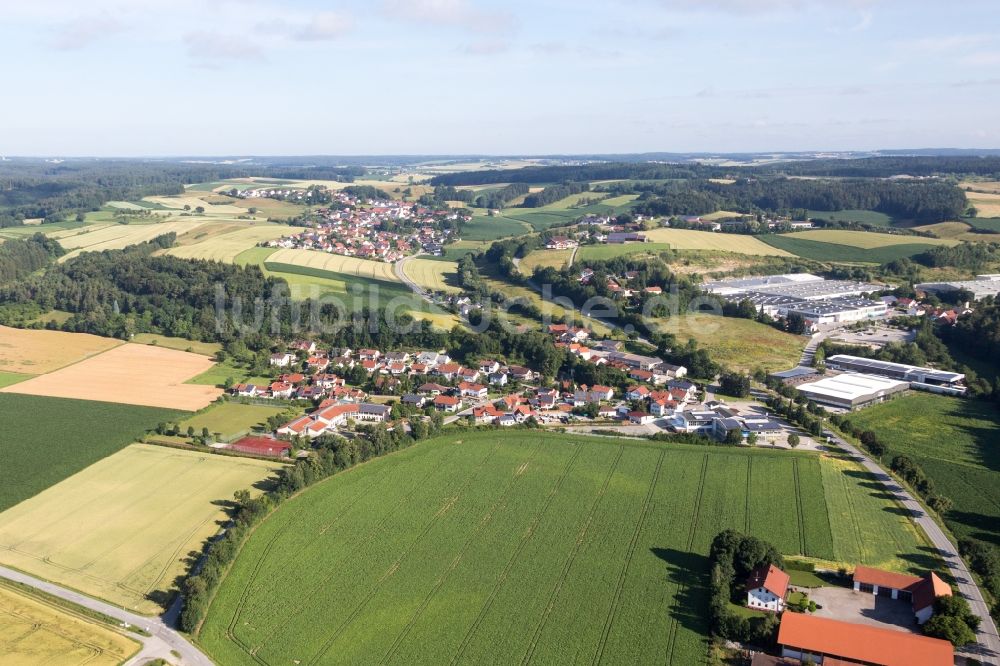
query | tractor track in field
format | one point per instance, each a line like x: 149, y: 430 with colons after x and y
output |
x: 513, y: 558
x: 630, y: 553
x: 570, y: 559
x: 443, y: 511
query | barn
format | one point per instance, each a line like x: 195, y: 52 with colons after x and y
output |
x: 262, y: 446
x: 818, y: 640
x: 919, y: 591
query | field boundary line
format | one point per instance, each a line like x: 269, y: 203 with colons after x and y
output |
x: 480, y: 525
x: 513, y: 558
x: 368, y: 537
x: 394, y: 567
x: 746, y: 510
x: 672, y: 639
x: 629, y: 554
x: 557, y: 588
x: 798, y: 506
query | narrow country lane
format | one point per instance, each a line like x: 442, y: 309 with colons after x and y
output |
x: 987, y: 650
x: 163, y: 642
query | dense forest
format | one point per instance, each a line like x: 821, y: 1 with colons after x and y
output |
x: 19, y: 258
x: 554, y: 193
x: 923, y: 201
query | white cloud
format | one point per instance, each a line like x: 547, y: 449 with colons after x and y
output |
x: 452, y: 13
x: 209, y: 47
x: 84, y: 31
x: 322, y: 27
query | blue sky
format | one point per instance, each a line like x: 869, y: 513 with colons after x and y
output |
x: 183, y: 77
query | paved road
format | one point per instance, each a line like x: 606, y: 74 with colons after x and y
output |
x: 401, y: 274
x: 160, y: 645
x: 988, y: 648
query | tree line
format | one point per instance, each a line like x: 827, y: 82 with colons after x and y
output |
x: 332, y: 454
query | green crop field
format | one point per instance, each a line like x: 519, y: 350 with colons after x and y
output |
x: 957, y: 443
x: 46, y: 440
x: 530, y: 547
x: 486, y: 228
x: 10, y: 378
x: 984, y: 224
x: 123, y: 528
x: 860, y: 216
x: 835, y: 252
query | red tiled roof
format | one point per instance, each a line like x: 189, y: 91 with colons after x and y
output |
x: 862, y: 642
x: 261, y: 445
x: 772, y: 579
x: 890, y: 579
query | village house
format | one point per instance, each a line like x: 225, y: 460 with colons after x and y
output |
x: 560, y: 243
x: 281, y: 359
x: 767, y: 589
x: 447, y: 403
x: 470, y: 390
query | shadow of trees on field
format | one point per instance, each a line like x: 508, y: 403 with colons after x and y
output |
x: 689, y: 571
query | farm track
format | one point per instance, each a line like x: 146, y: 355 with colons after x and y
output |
x: 616, y: 601
x: 569, y: 561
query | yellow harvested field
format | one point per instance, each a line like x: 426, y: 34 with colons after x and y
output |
x: 123, y: 528
x: 954, y: 231
x: 981, y: 186
x: 194, y: 199
x: 118, y: 236
x: 377, y: 270
x: 987, y: 204
x: 33, y: 631
x: 226, y: 246
x: 130, y: 374
x: 865, y: 239
x: 688, y: 239
x: 432, y: 274
x: 544, y: 259
x: 36, y: 352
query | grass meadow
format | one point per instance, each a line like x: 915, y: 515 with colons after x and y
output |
x: 957, y: 443
x: 605, y: 251
x: 33, y: 631
x: 476, y: 547
x: 49, y: 439
x: 230, y: 418
x: 124, y: 528
x: 740, y: 344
